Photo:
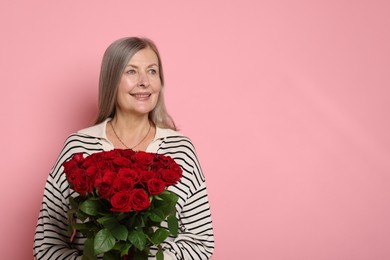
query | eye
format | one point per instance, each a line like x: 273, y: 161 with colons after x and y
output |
x: 152, y: 71
x: 131, y: 72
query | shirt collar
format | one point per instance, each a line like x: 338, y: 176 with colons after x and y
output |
x: 99, y: 131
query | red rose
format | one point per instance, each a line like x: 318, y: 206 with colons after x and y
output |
x: 82, y: 184
x: 121, y: 202
x: 147, y: 175
x: 69, y: 166
x: 78, y: 157
x: 105, y: 165
x: 111, y: 154
x: 104, y: 188
x: 72, y: 174
x: 104, y: 182
x: 89, y: 161
x: 170, y: 177
x: 128, y: 153
x: 155, y: 186
x: 165, y: 161
x: 129, y: 173
x: 139, y: 199
x: 143, y: 158
x: 176, y: 168
x: 122, y: 161
x: 74, y: 163
x: 91, y: 171
x: 123, y: 184
x: 109, y: 176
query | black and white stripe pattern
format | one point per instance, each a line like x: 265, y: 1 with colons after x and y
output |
x: 195, y: 239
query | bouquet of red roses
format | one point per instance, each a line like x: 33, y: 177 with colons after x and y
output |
x: 122, y: 202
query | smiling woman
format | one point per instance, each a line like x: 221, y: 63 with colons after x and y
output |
x: 131, y: 102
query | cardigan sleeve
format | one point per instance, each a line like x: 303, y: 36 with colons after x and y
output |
x: 51, y: 235
x: 195, y: 239
x: 52, y: 238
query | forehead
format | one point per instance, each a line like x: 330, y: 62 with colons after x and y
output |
x: 145, y: 56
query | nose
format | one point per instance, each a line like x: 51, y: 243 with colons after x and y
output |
x: 143, y: 80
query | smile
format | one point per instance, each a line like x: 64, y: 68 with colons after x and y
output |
x: 141, y: 96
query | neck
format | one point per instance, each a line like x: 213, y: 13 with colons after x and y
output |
x: 131, y: 132
x: 130, y: 125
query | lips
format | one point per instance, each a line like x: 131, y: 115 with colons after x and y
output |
x: 141, y: 95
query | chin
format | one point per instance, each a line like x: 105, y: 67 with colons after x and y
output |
x: 142, y: 111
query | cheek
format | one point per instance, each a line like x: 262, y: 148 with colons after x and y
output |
x: 126, y: 85
x: 156, y: 86
x: 119, y: 98
x: 157, y: 91
x: 156, y: 96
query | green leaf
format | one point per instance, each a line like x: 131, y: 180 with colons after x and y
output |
x: 140, y: 221
x: 120, y: 232
x: 81, y: 215
x: 88, y: 229
x: 125, y: 249
x: 130, y: 223
x: 104, y: 241
x: 88, y: 253
x: 108, y: 221
x: 138, y: 239
x: 167, y: 202
x: 157, y: 215
x: 160, y: 235
x: 75, y: 202
x: 160, y: 255
x: 121, y: 248
x: 86, y: 226
x: 173, y: 224
x: 90, y: 207
x: 168, y: 195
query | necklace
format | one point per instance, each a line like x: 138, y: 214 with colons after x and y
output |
x: 112, y: 126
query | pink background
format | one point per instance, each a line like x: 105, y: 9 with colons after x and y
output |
x: 287, y: 103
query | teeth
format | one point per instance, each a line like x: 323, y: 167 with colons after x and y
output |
x: 141, y: 95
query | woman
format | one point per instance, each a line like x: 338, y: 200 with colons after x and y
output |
x: 131, y: 115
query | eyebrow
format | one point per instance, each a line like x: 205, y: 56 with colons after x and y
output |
x: 134, y: 66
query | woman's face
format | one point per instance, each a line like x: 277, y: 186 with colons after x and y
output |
x: 140, y: 84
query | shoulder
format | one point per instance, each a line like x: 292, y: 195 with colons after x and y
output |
x: 79, y: 139
x: 173, y: 138
x: 177, y: 144
x: 95, y: 131
x: 87, y: 136
x: 87, y: 140
x: 166, y: 132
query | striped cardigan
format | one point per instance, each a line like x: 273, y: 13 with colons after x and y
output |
x: 195, y: 239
